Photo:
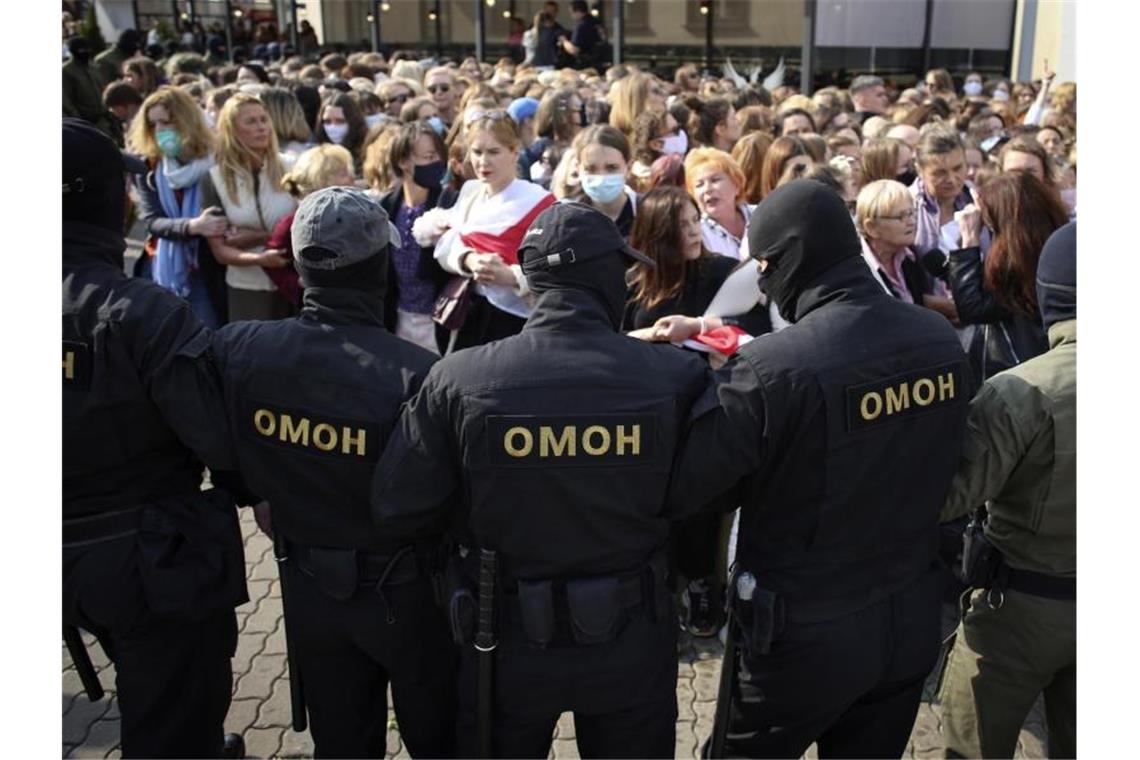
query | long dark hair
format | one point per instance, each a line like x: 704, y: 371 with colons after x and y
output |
x: 357, y: 127
x: 1022, y: 212
x: 657, y: 232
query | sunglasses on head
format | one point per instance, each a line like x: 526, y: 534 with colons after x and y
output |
x: 474, y: 116
x: 439, y: 88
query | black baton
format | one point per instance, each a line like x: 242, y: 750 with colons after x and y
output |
x: 296, y: 688
x: 727, y: 673
x: 87, y: 675
x: 485, y: 645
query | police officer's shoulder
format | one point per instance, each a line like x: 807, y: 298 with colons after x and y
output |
x: 666, y: 363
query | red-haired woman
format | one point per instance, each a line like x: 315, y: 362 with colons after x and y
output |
x: 999, y: 293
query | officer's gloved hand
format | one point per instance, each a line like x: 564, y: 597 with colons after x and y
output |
x: 262, y: 517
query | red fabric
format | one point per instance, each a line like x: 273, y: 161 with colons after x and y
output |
x: 507, y: 242
x: 724, y: 340
x: 285, y: 278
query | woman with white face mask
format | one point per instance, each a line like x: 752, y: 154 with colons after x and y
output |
x: 340, y: 121
x: 603, y: 162
x: 655, y: 134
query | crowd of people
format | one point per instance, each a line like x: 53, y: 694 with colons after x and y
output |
x: 951, y: 187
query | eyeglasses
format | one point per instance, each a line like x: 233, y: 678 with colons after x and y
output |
x: 906, y: 215
x: 397, y: 99
x: 439, y: 88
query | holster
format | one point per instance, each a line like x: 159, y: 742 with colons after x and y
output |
x: 462, y: 608
x: 596, y: 608
x: 760, y: 620
x: 981, y: 560
x: 536, y: 607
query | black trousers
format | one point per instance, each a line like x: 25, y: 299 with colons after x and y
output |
x: 173, y: 678
x: 623, y: 693
x: 852, y: 684
x: 348, y: 652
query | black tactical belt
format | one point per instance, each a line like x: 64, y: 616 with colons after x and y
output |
x: 370, y: 566
x: 1040, y: 584
x: 82, y: 531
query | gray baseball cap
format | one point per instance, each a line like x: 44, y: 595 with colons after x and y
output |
x: 340, y: 226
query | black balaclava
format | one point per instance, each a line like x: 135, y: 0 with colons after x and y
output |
x: 80, y: 49
x: 93, y: 177
x: 602, y: 277
x: 129, y: 41
x: 802, y: 229
x: 368, y: 276
x: 1057, y: 276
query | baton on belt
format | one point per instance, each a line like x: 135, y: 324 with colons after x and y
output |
x: 741, y: 585
x: 485, y: 645
x: 296, y: 688
x: 87, y: 675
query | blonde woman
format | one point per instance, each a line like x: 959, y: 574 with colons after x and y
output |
x: 246, y: 183
x: 633, y: 95
x: 170, y: 133
x: 293, y: 133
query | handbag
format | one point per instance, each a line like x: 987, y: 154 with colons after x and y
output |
x: 453, y: 303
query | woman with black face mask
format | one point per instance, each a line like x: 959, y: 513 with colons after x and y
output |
x: 416, y: 156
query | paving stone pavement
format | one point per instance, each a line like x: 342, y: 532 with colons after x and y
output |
x: 260, y: 708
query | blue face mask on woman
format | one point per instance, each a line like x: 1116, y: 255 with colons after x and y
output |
x: 169, y: 142
x: 603, y: 188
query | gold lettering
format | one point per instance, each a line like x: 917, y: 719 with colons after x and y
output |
x: 264, y: 422
x: 348, y: 440
x: 69, y: 365
x: 634, y: 439
x: 920, y: 397
x: 328, y: 432
x: 898, y: 400
x: 946, y: 386
x: 295, y: 434
x: 589, y: 448
x: 518, y: 451
x: 863, y: 406
x: 562, y: 446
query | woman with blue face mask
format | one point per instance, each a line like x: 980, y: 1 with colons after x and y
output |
x: 603, y: 162
x: 171, y: 135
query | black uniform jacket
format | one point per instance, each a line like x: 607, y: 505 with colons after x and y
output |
x: 838, y: 437
x: 556, y: 444
x: 312, y: 401
x: 142, y: 408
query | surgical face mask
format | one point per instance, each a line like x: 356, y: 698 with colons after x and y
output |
x: 972, y: 88
x: 429, y: 175
x: 371, y: 120
x: 1001, y: 95
x: 211, y: 119
x: 603, y: 188
x: 169, y: 142
x: 540, y: 172
x: 437, y: 124
x: 675, y: 144
x: 336, y: 132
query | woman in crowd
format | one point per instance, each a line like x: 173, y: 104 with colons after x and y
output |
x: 1025, y: 154
x: 940, y: 191
x: 716, y: 183
x: 415, y: 155
x: 713, y: 124
x: 603, y: 163
x: 378, y: 174
x: 632, y: 96
x: 423, y: 109
x: 293, y: 134
x: 246, y: 183
x: 341, y: 122
x: 749, y: 153
x: 170, y: 133
x: 141, y: 73
x: 999, y: 293
x: 884, y: 217
x: 881, y: 159
x: 394, y: 94
x: 482, y: 232
x: 786, y: 159
x: 558, y: 121
x: 655, y: 134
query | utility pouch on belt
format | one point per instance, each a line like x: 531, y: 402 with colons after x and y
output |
x: 595, y: 609
x: 462, y: 608
x: 334, y: 570
x: 981, y: 560
x: 762, y: 619
x: 536, y: 607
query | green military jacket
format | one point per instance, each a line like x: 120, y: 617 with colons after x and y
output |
x: 1020, y: 459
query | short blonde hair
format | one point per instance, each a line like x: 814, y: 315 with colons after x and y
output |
x: 184, y: 113
x: 315, y: 169
x: 404, y: 69
x: 876, y: 198
x: 701, y: 159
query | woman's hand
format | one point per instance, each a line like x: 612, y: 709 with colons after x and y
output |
x: 210, y: 223
x: 944, y: 306
x: 274, y: 258
x: 969, y: 222
x: 676, y: 328
x: 245, y: 237
x: 489, y: 269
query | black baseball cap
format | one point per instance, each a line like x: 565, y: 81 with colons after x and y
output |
x: 92, y: 163
x: 344, y: 224
x: 569, y: 233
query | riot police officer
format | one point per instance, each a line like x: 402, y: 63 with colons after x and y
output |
x: 838, y: 438
x: 152, y: 564
x: 552, y: 448
x: 312, y: 400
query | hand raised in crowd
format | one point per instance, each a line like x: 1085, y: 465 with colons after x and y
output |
x: 210, y: 223
x: 969, y: 222
x: 489, y: 269
x: 273, y: 258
